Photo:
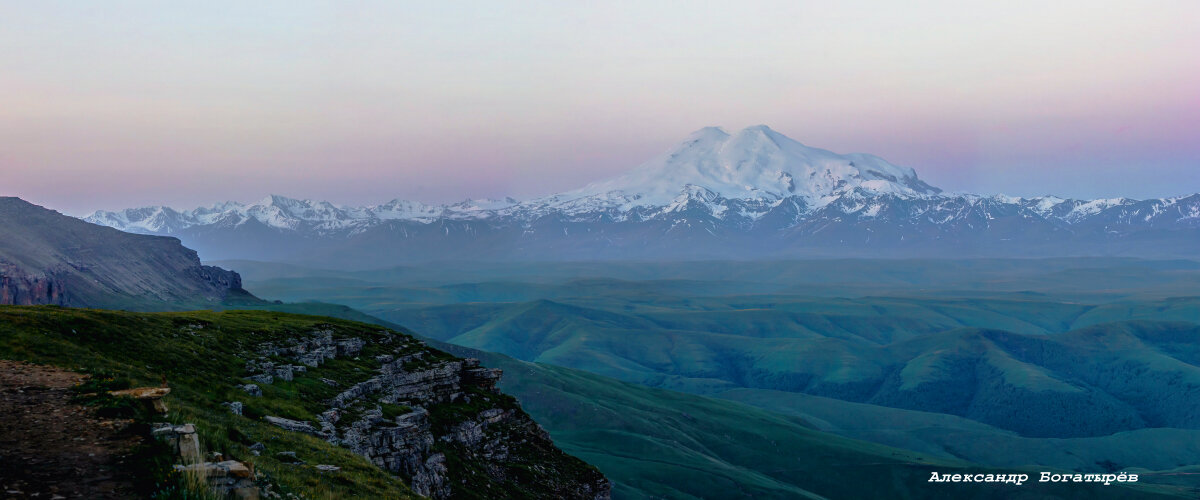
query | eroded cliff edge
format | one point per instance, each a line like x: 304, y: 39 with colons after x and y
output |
x: 437, y: 420
x: 50, y: 258
x: 322, y: 407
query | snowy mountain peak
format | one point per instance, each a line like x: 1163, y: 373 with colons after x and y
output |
x: 756, y: 163
x: 708, y: 133
x: 762, y: 133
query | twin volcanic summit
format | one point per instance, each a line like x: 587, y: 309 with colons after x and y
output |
x: 752, y: 194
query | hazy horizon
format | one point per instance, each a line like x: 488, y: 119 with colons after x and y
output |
x: 116, y: 105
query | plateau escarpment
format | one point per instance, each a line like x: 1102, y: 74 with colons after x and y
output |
x: 320, y: 407
x: 50, y: 258
x: 436, y: 420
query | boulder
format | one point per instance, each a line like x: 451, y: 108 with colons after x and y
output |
x: 291, y: 425
x: 226, y: 478
x: 262, y: 378
x: 181, y: 438
x: 151, y: 395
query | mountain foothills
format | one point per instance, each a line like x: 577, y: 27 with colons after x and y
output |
x: 755, y: 193
x: 1079, y: 364
x: 266, y: 391
x: 50, y: 258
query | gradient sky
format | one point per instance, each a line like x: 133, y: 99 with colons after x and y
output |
x: 116, y: 104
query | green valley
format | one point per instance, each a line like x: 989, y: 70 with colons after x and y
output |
x: 1077, y: 364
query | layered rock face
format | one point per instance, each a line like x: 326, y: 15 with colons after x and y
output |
x: 17, y: 287
x: 221, y: 279
x: 50, y: 258
x: 434, y: 419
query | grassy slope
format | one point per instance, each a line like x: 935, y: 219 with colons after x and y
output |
x: 654, y: 443
x: 657, y: 443
x: 202, y: 354
x: 900, y: 353
x: 956, y: 437
x: 202, y: 366
x: 1070, y: 294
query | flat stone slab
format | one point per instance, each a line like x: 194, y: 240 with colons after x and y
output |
x: 227, y: 468
x: 291, y: 425
x: 142, y: 392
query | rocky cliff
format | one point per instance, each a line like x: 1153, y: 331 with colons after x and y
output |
x: 50, y: 258
x: 320, y: 407
x: 436, y: 420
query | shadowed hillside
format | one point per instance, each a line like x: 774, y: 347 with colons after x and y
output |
x: 49, y: 258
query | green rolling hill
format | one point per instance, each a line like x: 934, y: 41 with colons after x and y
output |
x: 663, y: 444
x: 1075, y: 364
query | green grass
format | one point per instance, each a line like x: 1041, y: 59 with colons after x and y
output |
x: 932, y: 355
x: 202, y: 356
x: 996, y: 360
x: 663, y: 444
x: 391, y: 411
x: 949, y: 436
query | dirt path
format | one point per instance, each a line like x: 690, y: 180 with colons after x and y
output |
x: 51, y: 448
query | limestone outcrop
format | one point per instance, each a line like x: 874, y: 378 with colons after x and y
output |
x: 432, y: 418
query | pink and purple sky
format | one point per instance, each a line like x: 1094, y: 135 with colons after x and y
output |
x: 107, y: 105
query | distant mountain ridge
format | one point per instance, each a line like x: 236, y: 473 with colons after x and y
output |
x: 50, y: 258
x: 716, y: 194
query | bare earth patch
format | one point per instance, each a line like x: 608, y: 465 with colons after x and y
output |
x: 53, y: 448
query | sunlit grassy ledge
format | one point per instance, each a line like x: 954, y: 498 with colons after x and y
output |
x: 203, y: 356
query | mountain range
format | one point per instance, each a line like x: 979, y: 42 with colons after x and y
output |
x: 399, y: 418
x: 754, y: 193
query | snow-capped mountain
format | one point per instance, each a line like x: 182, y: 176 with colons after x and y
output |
x: 280, y: 212
x: 757, y: 164
x: 716, y: 194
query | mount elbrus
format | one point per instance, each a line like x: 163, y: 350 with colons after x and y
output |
x: 755, y: 193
